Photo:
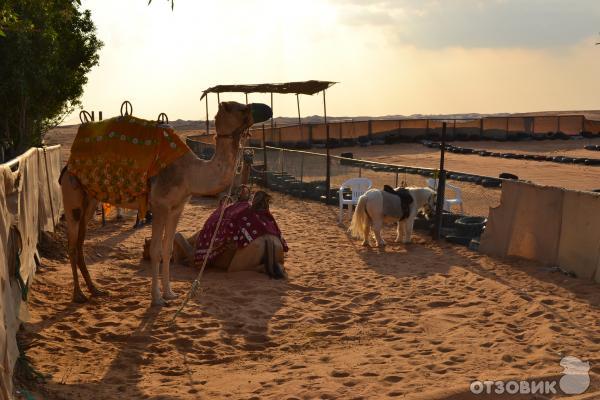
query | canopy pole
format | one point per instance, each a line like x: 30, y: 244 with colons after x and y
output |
x: 218, y: 98
x: 246, y: 98
x: 207, y: 122
x: 273, y: 120
x: 299, y: 117
x: 328, y: 168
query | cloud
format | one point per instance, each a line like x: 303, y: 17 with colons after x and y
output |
x: 476, y: 23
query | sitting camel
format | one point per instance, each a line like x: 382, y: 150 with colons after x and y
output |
x: 401, y: 204
x: 167, y: 185
x: 256, y: 251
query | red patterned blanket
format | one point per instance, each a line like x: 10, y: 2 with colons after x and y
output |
x: 241, y: 225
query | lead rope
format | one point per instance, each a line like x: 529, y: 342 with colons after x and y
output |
x: 196, y: 284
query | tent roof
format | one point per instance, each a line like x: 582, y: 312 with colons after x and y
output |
x: 305, y: 87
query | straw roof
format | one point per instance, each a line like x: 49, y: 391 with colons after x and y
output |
x: 305, y: 87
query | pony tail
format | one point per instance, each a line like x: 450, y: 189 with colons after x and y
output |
x: 360, y: 218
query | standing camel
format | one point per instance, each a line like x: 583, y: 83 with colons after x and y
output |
x: 170, y: 189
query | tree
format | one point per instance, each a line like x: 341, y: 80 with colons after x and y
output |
x: 47, y: 47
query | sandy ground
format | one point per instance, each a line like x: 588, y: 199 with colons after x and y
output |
x: 570, y: 176
x: 417, y: 321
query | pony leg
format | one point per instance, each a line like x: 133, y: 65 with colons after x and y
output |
x: 366, y: 234
x: 408, y: 229
x: 377, y: 227
x: 398, y: 225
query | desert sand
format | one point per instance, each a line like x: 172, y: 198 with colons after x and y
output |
x: 417, y: 321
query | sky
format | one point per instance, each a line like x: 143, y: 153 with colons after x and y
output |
x: 389, y: 56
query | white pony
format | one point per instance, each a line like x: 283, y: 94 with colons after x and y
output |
x: 377, y: 206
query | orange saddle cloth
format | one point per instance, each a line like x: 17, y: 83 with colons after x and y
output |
x: 115, y: 158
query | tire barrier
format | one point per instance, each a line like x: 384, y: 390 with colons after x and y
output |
x: 297, y: 186
x: 531, y: 157
x: 464, y: 231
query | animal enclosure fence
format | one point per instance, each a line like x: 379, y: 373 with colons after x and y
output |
x: 304, y: 174
x: 349, y: 132
x: 30, y: 202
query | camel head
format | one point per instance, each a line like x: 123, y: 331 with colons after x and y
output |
x: 233, y: 118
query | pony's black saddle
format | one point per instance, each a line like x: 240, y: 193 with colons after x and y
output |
x: 405, y: 198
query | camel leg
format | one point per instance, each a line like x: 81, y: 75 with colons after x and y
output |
x: 72, y: 217
x: 158, y: 228
x: 252, y: 257
x: 73, y: 196
x: 167, y: 250
x: 89, y: 207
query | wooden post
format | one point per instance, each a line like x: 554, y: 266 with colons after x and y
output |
x: 272, y: 118
x: 328, y: 158
x: 299, y: 117
x: 265, y: 156
x: 439, y: 209
x: 101, y: 204
x: 207, y: 122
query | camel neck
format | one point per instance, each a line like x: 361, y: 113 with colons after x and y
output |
x: 214, y: 176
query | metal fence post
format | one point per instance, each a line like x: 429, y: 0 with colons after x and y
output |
x: 441, y: 186
x: 327, y: 169
x: 266, y: 179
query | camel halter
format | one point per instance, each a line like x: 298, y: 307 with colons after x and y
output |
x: 236, y: 171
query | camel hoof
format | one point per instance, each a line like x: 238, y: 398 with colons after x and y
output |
x: 170, y: 295
x: 99, y: 292
x: 79, y: 297
x: 159, y: 302
x: 365, y: 243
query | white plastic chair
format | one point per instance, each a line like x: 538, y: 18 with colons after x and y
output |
x: 448, y: 203
x: 358, y: 186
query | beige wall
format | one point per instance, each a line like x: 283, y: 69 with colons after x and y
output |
x: 493, y: 127
x: 551, y: 225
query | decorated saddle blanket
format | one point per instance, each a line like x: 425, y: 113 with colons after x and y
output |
x: 240, y: 225
x: 115, y: 158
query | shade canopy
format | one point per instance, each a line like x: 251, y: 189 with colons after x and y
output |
x: 305, y: 87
